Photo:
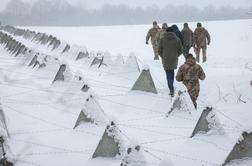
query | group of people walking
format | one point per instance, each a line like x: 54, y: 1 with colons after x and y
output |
x: 169, y: 43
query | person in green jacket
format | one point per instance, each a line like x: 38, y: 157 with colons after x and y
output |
x: 170, y: 48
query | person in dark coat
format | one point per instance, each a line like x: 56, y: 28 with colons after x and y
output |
x: 187, y: 35
x: 177, y: 32
x: 169, y: 49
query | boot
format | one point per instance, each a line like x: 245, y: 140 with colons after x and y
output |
x: 171, y: 93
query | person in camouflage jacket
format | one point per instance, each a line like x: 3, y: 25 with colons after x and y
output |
x: 201, y: 39
x: 190, y: 73
x: 152, y: 33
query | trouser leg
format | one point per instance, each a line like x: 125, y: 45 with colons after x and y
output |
x: 197, y: 52
x: 155, y: 50
x: 186, y: 51
x: 204, y: 54
x: 194, y: 99
x: 170, y: 79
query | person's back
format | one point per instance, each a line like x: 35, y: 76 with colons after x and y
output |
x: 190, y: 73
x: 177, y: 32
x: 170, y: 48
x: 152, y: 33
x: 201, y: 39
x: 201, y: 36
x: 187, y: 35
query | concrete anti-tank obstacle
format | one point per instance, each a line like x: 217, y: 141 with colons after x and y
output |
x: 66, y: 48
x: 97, y: 61
x: 17, y: 48
x: 242, y: 149
x: 82, y: 118
x: 181, y: 102
x: 145, y: 82
x: 132, y: 62
x: 44, y: 39
x: 56, y: 44
x: 34, y: 60
x: 85, y: 88
x: 108, y: 145
x: 82, y: 55
x: 91, y: 112
x: 4, y: 161
x: 3, y: 123
x: 60, y: 74
x: 202, y: 124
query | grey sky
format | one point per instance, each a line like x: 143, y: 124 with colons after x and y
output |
x: 160, y: 3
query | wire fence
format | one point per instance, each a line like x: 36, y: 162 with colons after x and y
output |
x: 122, y: 90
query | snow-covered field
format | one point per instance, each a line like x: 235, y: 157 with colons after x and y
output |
x: 41, y: 114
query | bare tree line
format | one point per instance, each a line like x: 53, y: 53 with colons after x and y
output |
x: 61, y: 13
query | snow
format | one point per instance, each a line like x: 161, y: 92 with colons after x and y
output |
x: 166, y: 162
x: 40, y: 115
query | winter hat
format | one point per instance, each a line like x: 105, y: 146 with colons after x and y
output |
x: 164, y: 25
x: 189, y: 56
x: 169, y: 29
x: 199, y: 24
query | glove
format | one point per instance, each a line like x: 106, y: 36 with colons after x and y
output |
x: 208, y: 43
x: 147, y: 42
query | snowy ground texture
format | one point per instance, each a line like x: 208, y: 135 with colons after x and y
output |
x: 40, y: 114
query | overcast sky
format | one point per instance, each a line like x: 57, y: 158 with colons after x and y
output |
x: 160, y: 3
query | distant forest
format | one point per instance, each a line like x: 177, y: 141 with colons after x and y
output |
x: 61, y: 13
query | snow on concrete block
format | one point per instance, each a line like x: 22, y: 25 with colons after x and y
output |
x: 107, y: 60
x: 82, y: 118
x: 111, y: 143
x: 242, y: 149
x: 97, y: 61
x: 134, y: 156
x: 60, y: 74
x: 181, y: 102
x: 91, y: 112
x: 208, y: 121
x: 82, y: 55
x: 202, y: 124
x: 94, y: 110
x: 145, y: 83
x: 131, y: 63
x: 117, y: 65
